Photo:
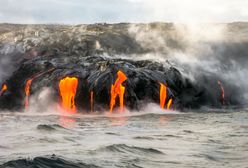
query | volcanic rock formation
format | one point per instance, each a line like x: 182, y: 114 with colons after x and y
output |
x: 88, y: 69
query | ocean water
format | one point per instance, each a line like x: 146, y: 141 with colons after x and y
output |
x: 153, y: 138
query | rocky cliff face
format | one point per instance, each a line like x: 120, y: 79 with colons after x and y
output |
x: 138, y: 63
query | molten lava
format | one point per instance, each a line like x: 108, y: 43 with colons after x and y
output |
x: 28, y: 85
x: 4, y: 88
x: 117, y: 89
x: 163, y: 95
x: 169, y: 104
x: 222, y: 92
x: 27, y: 92
x: 68, y: 90
x: 91, y: 101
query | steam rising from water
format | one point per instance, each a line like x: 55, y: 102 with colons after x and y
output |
x: 198, y: 49
x: 43, y: 102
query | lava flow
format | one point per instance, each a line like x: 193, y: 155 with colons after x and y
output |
x: 169, y: 104
x: 163, y: 95
x: 117, y: 89
x: 222, y: 92
x: 68, y: 90
x: 28, y: 85
x: 4, y: 88
x: 27, y: 92
x: 91, y: 101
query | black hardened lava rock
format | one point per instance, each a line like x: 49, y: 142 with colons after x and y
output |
x: 98, y: 73
x: 93, y: 54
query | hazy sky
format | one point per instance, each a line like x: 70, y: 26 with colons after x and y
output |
x: 91, y: 11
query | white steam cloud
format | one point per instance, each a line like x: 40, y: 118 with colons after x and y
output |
x: 198, y: 49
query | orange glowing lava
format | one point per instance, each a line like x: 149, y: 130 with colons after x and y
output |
x: 27, y: 92
x: 68, y: 90
x: 163, y: 95
x: 117, y: 89
x: 28, y: 85
x: 169, y: 104
x: 4, y: 88
x: 91, y: 101
x: 222, y: 92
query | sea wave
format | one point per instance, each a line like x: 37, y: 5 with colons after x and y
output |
x: 123, y: 148
x: 46, y: 162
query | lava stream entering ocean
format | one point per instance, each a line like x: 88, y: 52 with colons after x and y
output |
x: 117, y: 89
x: 169, y: 104
x: 222, y: 93
x: 4, y: 88
x: 163, y: 97
x: 27, y: 92
x: 68, y: 90
x: 28, y: 86
x: 91, y: 101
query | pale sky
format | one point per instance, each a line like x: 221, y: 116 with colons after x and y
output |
x: 92, y: 11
